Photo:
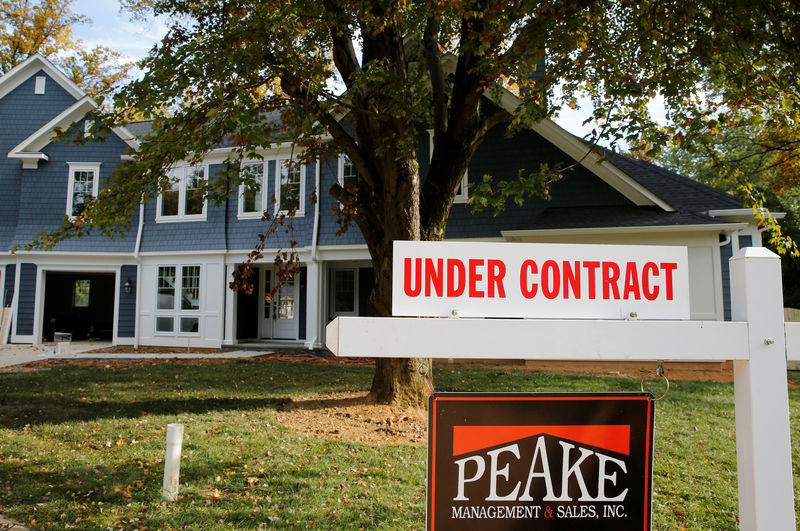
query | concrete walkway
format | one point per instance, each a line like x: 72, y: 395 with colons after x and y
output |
x: 82, y: 350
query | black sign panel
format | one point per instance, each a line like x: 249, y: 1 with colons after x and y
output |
x: 543, y: 461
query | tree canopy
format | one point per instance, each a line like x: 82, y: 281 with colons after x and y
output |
x: 46, y: 27
x: 360, y: 78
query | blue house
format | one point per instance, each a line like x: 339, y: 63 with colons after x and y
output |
x: 165, y: 283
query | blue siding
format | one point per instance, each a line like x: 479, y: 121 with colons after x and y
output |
x: 43, y: 194
x: 126, y: 319
x: 11, y: 270
x: 745, y: 240
x: 503, y: 158
x: 243, y: 233
x: 185, y: 235
x: 22, y: 112
x: 725, y: 253
x: 27, y: 295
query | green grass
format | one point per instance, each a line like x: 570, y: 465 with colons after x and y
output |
x: 61, y: 464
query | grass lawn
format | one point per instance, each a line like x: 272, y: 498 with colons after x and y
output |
x: 83, y: 448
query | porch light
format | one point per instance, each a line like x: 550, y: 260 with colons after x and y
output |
x: 128, y: 286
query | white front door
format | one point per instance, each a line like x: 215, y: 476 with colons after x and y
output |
x: 281, y: 316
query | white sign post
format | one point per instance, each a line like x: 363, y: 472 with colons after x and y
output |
x: 756, y: 341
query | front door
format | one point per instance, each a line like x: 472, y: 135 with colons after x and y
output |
x: 280, y: 316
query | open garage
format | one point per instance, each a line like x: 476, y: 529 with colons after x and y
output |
x: 80, y: 304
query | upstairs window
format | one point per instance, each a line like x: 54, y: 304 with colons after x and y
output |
x: 348, y: 176
x: 291, y: 187
x: 184, y: 201
x: 83, y: 183
x: 253, y: 199
x: 462, y: 195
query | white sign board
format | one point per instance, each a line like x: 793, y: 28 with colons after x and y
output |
x: 480, y: 279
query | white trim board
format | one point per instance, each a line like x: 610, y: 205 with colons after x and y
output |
x: 398, y: 337
x: 29, y: 150
x: 515, y: 235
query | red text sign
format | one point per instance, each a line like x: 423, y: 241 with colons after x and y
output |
x: 539, y: 280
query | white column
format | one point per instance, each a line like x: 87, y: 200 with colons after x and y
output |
x: 230, y: 308
x: 313, y: 304
x: 766, y: 500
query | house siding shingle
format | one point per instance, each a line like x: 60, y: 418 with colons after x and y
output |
x: 22, y: 113
x: 11, y: 270
x: 126, y: 318
x: 27, y: 299
x: 43, y: 194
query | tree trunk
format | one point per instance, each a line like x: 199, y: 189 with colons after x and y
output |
x: 396, y: 381
x: 400, y: 381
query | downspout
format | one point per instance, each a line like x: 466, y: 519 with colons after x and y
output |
x: 314, y: 236
x: 136, y: 257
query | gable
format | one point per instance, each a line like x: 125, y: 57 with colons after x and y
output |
x: 35, y: 65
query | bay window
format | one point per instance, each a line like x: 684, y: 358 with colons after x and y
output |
x: 178, y: 299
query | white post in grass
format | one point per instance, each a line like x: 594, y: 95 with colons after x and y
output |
x: 766, y: 500
x: 172, y: 462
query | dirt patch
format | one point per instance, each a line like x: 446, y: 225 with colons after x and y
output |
x: 144, y: 349
x: 122, y: 363
x: 352, y: 417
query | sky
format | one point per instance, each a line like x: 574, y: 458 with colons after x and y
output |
x: 112, y: 28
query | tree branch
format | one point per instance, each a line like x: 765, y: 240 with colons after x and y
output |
x: 344, y: 55
x: 433, y: 57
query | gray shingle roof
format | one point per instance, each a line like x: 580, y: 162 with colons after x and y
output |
x: 140, y: 129
x: 682, y: 193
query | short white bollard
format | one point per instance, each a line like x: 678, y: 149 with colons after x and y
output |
x: 172, y: 462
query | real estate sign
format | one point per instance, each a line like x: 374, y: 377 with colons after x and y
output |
x: 540, y: 461
x: 479, y: 279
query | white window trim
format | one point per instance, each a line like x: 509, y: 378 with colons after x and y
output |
x: 178, y: 173
x: 340, y: 171
x: 264, y: 192
x: 81, y: 166
x: 463, y: 194
x: 176, y: 312
x: 333, y: 292
x: 40, y: 84
x: 301, y: 208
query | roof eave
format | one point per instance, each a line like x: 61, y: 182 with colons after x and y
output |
x: 30, y: 161
x: 743, y: 214
x: 516, y: 235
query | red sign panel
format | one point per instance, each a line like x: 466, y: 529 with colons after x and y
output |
x: 540, y: 461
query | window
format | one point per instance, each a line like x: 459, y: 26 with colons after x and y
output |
x: 190, y: 288
x: 463, y: 191
x: 291, y: 187
x: 184, y: 201
x: 80, y: 293
x: 348, y: 176
x: 252, y: 199
x: 83, y: 182
x: 174, y: 281
x: 344, y: 296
